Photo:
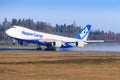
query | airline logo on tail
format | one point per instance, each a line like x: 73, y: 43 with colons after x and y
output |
x: 84, y: 33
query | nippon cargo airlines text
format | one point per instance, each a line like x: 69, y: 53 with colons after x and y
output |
x: 32, y: 34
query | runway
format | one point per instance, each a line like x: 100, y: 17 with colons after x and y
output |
x: 99, y: 47
x: 61, y: 50
x: 58, y: 50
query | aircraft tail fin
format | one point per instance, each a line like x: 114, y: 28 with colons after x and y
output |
x: 83, y: 35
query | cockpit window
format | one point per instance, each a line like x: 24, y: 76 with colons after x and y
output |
x: 13, y: 27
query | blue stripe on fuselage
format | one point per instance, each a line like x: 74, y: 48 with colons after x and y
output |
x: 67, y: 45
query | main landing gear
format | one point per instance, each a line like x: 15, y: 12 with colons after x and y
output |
x: 39, y: 47
x: 48, y: 48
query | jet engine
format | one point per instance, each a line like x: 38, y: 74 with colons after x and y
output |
x: 80, y: 43
x: 57, y: 44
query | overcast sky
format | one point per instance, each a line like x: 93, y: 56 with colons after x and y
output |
x: 101, y: 14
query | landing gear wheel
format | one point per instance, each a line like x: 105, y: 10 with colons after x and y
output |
x: 39, y: 47
x: 50, y: 49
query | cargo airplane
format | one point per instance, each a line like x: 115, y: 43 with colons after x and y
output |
x: 51, y: 41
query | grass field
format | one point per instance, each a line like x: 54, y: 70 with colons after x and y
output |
x: 59, y: 66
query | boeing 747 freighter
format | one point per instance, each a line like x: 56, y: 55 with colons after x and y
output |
x: 51, y: 41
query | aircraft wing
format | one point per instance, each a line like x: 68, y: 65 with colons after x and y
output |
x: 95, y: 41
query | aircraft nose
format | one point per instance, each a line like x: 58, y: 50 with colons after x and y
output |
x: 7, y: 31
x: 12, y: 32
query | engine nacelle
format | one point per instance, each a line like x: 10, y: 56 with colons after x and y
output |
x: 57, y: 44
x: 80, y: 43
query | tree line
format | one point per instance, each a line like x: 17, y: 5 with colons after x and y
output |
x: 63, y: 29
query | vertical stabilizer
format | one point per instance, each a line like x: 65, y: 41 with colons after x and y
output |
x: 83, y: 35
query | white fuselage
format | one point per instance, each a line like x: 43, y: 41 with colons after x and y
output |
x: 22, y: 33
x: 27, y: 34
